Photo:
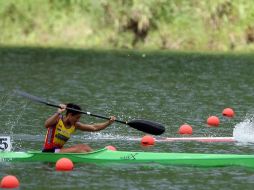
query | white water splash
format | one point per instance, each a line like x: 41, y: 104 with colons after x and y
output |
x: 244, y: 131
x: 108, y: 136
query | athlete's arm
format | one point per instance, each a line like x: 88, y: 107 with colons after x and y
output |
x: 51, y: 121
x: 95, y: 127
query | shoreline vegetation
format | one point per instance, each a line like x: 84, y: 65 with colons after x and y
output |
x: 178, y: 25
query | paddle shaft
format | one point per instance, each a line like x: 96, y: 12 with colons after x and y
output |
x: 83, y: 112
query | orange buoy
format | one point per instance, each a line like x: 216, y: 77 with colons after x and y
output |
x: 185, y: 130
x: 213, y: 121
x: 228, y: 112
x: 64, y: 164
x: 111, y: 148
x: 9, y: 181
x: 147, y: 140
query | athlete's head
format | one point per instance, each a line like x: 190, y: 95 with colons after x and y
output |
x: 73, y: 112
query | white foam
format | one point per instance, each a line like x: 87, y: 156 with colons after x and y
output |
x: 108, y: 136
x: 244, y: 131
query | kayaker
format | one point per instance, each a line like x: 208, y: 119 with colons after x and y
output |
x: 60, y: 128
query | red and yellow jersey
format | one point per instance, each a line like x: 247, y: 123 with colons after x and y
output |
x: 58, y: 135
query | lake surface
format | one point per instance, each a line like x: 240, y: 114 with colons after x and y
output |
x: 170, y: 88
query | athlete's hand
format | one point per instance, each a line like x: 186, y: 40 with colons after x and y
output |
x: 62, y: 109
x: 112, y: 119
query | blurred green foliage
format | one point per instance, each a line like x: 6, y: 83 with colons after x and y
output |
x: 219, y: 25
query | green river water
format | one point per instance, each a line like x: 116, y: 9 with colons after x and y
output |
x: 170, y: 88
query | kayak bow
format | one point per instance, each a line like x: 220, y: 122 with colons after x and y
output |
x: 108, y: 156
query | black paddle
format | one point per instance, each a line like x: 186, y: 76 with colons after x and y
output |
x: 139, y: 124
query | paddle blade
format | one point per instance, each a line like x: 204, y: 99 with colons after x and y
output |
x: 29, y: 96
x: 147, y: 126
x: 34, y: 98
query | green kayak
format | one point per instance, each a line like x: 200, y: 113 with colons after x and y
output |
x: 108, y: 156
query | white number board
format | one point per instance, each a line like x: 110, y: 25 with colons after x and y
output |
x: 5, y: 143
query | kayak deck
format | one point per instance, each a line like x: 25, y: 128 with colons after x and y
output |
x: 108, y: 156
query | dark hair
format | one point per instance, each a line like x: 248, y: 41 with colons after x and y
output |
x: 72, y: 109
